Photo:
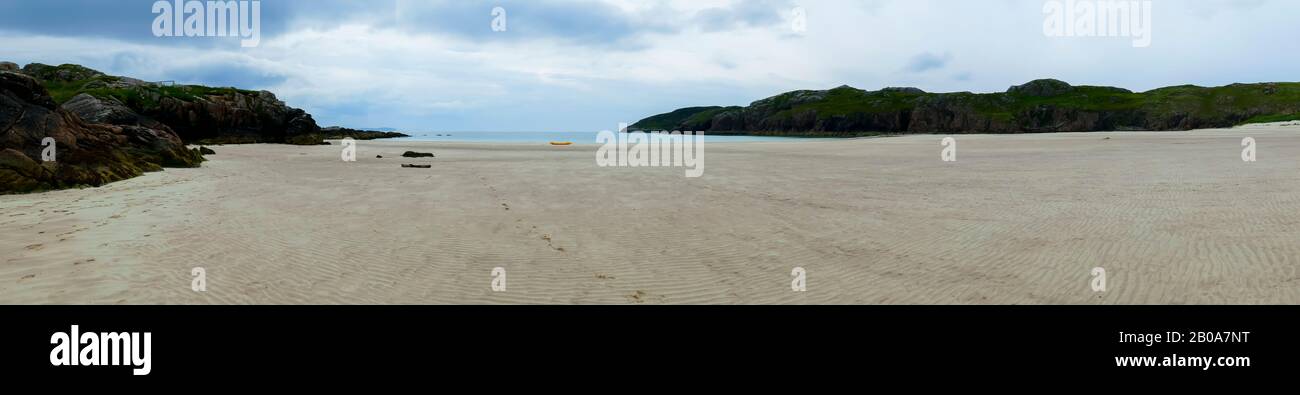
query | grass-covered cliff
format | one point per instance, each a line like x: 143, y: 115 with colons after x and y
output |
x: 197, y: 114
x: 1038, y: 106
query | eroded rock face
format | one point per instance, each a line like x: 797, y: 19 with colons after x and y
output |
x: 196, y: 114
x: 94, y: 110
x: 85, y: 154
x: 110, y: 111
x: 236, y: 118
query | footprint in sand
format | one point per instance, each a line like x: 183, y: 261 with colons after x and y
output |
x: 550, y: 242
x: 35, y: 247
x: 642, y: 296
x: 637, y: 297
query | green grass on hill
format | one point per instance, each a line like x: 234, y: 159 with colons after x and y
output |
x: 1273, y: 118
x: 142, y: 96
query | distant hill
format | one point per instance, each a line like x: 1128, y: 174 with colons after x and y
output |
x: 1035, y: 107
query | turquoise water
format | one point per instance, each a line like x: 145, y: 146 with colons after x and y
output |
x: 543, y: 137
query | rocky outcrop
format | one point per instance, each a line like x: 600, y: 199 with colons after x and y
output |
x: 109, y: 111
x: 1042, y: 88
x: 197, y: 114
x: 336, y: 132
x: 1035, y: 107
x: 84, y: 154
x: 232, y: 117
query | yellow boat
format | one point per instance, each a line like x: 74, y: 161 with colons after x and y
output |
x: 561, y: 143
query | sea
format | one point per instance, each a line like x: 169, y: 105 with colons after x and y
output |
x: 544, y: 137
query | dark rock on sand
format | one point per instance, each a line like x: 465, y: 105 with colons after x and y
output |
x: 413, y: 154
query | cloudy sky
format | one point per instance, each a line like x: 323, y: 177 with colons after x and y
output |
x: 585, y: 65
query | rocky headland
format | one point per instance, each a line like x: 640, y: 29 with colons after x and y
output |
x: 108, y: 128
x: 1035, y: 107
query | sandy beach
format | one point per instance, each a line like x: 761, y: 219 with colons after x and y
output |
x: 1173, y: 218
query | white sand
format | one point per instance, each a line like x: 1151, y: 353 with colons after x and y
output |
x: 1021, y: 219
